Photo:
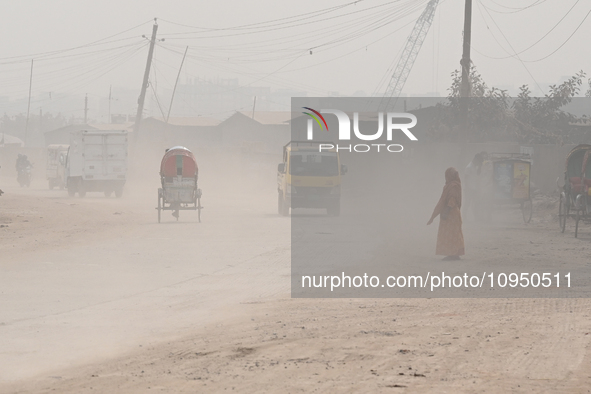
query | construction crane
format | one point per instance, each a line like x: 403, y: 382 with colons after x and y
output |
x: 409, y: 54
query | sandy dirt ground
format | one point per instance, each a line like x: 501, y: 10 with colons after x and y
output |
x: 96, y: 297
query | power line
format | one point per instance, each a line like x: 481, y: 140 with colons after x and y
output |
x: 299, y: 55
x: 514, y: 52
x: 538, y: 41
x: 47, y: 80
x: 93, y: 43
x: 275, y: 53
x: 283, y: 26
x: 80, y: 81
x: 279, y: 44
x: 516, y: 9
x: 322, y: 11
x: 564, y: 43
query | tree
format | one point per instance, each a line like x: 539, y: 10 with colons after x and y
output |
x: 487, y: 109
x: 494, y: 116
x: 541, y: 119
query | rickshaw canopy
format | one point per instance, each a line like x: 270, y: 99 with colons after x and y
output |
x: 178, y: 160
x: 576, y: 165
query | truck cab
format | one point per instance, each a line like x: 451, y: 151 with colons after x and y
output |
x: 308, y: 178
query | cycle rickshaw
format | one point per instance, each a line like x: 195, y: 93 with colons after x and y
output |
x: 575, y: 198
x: 178, y: 176
x: 511, y: 181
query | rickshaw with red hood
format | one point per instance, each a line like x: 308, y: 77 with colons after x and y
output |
x: 575, y: 197
x: 178, y: 177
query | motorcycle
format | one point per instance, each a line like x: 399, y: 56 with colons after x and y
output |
x: 24, y: 176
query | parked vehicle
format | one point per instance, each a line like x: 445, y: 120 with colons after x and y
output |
x: 511, y: 174
x: 96, y: 162
x: 308, y: 178
x: 178, y: 177
x: 56, y: 165
x: 575, y: 198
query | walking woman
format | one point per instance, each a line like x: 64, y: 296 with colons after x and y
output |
x: 450, y: 239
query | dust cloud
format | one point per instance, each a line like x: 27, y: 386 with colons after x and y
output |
x: 96, y: 293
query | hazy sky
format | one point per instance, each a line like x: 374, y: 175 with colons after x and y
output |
x: 354, y: 47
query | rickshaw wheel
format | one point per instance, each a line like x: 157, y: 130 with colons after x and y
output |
x: 159, y: 204
x: 581, y: 212
x: 562, y: 212
x: 527, y: 210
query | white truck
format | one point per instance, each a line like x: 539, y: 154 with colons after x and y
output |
x: 96, y: 162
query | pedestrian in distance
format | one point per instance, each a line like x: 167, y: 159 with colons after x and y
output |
x: 450, y: 239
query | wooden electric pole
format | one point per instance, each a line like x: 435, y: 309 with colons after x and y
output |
x: 176, y: 83
x: 465, y: 88
x: 141, y: 99
x: 29, y: 105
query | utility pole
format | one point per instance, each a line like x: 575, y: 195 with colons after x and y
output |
x: 86, y: 109
x: 141, y: 99
x: 29, y: 105
x: 254, y: 106
x: 465, y: 88
x: 176, y: 83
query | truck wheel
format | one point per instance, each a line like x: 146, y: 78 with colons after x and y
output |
x: 118, y: 192
x: 284, y: 207
x: 334, y: 209
x: 108, y: 193
x: 51, y: 185
x: 279, y: 204
x: 81, y: 193
x: 71, y: 192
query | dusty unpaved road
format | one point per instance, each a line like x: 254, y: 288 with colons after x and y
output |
x: 95, y: 296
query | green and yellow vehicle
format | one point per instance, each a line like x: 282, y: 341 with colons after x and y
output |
x: 309, y: 178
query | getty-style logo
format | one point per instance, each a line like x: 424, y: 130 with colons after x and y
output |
x: 392, y: 124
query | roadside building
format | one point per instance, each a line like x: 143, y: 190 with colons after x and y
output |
x: 185, y: 131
